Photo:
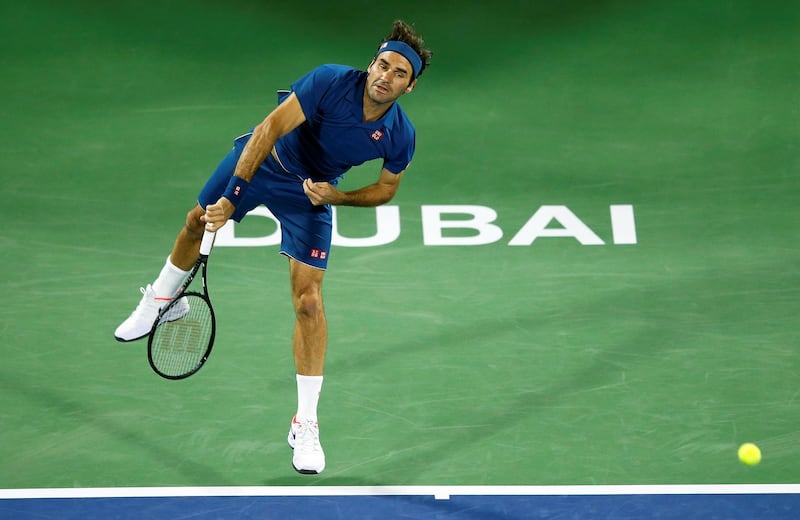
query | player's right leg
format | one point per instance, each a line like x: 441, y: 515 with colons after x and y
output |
x: 154, y: 296
x: 183, y: 257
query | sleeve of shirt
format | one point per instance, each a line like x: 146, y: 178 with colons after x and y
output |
x: 311, y: 88
x: 402, y: 154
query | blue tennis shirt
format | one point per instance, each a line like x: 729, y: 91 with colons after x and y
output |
x: 334, y: 136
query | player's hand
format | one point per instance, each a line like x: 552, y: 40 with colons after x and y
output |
x: 320, y: 193
x: 217, y: 214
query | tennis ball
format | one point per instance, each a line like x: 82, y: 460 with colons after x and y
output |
x: 749, y: 454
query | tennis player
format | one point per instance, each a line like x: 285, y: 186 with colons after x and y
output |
x: 334, y: 117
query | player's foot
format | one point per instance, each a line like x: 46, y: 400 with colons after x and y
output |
x: 141, y: 320
x: 308, y: 456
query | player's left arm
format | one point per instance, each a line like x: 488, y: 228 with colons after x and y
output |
x: 380, y: 192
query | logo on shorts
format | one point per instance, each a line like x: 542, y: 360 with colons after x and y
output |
x: 317, y: 253
x: 376, y: 135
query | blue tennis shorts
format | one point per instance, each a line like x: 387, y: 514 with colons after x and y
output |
x: 305, y: 229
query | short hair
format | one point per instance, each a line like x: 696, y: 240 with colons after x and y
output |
x: 403, y: 32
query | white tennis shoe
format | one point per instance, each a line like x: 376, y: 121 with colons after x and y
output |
x: 141, y: 320
x: 308, y: 457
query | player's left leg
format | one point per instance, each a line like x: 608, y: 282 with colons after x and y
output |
x: 311, y: 328
x: 309, y: 345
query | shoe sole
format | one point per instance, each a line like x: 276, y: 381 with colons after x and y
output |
x: 123, y: 340
x: 307, y: 471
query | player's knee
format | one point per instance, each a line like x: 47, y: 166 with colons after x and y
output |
x: 308, y: 304
x: 194, y: 226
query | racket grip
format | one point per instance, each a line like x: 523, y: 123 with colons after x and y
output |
x: 208, y: 241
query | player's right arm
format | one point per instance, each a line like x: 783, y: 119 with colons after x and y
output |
x: 286, y: 117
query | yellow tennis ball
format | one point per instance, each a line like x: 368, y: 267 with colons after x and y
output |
x: 749, y: 454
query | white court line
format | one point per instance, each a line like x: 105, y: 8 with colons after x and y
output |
x: 438, y: 492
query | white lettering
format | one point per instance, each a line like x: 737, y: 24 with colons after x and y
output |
x: 572, y: 226
x: 387, y: 219
x: 481, y: 222
x: 475, y: 227
x: 623, y: 227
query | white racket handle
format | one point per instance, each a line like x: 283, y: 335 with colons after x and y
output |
x: 207, y: 243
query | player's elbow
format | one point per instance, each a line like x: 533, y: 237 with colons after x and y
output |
x: 385, y: 195
x: 390, y: 193
x: 387, y: 191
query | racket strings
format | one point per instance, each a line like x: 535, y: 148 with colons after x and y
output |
x: 180, y: 346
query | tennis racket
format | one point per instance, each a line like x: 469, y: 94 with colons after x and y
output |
x: 183, y: 334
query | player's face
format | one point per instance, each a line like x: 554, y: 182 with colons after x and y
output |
x: 389, y: 77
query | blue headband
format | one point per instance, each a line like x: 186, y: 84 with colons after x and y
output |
x: 406, y: 51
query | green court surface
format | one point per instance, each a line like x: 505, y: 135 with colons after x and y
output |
x: 529, y: 359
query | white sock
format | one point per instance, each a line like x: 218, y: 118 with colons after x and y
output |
x: 308, y: 390
x: 169, y: 280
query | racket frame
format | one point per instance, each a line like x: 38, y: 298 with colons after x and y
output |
x: 200, y: 265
